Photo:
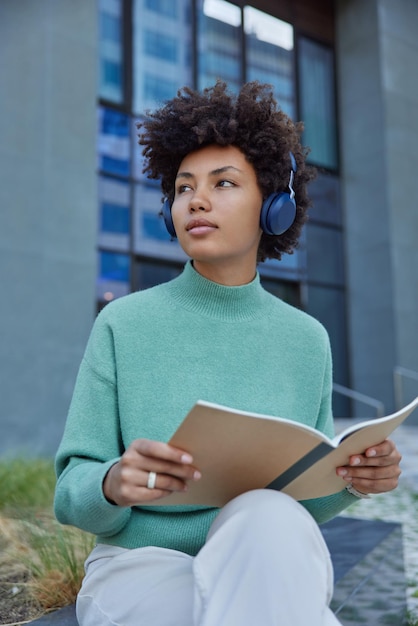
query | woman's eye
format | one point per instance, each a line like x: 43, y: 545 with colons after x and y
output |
x: 183, y: 188
x: 226, y: 183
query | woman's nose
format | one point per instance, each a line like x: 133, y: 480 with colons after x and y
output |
x: 199, y: 202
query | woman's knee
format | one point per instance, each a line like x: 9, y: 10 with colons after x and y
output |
x: 263, y: 508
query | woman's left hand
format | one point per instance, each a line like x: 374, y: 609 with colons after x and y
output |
x: 375, y: 471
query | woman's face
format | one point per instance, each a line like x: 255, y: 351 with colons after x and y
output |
x: 216, y: 213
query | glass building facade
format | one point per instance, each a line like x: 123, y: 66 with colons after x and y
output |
x: 150, y: 48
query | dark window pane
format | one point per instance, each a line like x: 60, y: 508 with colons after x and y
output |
x: 328, y: 306
x: 325, y: 254
x: 150, y: 273
x: 317, y: 102
x: 292, y: 266
x: 326, y: 201
x: 287, y: 291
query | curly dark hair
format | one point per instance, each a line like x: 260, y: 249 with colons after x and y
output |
x: 251, y: 121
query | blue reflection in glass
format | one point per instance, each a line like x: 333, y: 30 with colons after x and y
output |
x: 317, y: 102
x: 114, y: 155
x: 110, y: 50
x: 168, y: 8
x: 114, y: 266
x: 114, y: 218
x: 166, y: 48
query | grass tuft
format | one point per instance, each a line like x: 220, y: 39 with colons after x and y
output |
x: 56, y: 562
x: 46, y: 558
x: 26, y: 484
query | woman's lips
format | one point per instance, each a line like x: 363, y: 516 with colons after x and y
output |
x: 200, y: 227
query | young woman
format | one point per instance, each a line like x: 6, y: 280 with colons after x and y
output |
x: 214, y: 334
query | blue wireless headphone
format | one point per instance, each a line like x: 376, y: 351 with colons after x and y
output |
x: 277, y: 213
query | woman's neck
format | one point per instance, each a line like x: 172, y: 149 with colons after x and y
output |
x: 229, y: 275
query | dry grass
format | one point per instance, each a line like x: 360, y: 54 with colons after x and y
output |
x: 41, y: 562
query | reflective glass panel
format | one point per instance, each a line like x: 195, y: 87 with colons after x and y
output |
x: 113, y: 142
x: 148, y: 273
x: 114, y: 275
x: 270, y: 55
x: 219, y: 47
x: 161, y: 51
x: 324, y: 192
x: 168, y: 8
x: 325, y: 254
x: 110, y: 50
x: 114, y: 214
x: 290, y: 265
x: 328, y: 306
x: 285, y: 290
x: 317, y: 102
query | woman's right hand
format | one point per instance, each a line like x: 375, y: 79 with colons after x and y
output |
x: 125, y: 483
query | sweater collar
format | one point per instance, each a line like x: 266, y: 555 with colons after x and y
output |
x: 196, y: 293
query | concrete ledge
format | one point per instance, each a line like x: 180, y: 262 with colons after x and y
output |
x: 63, y: 617
x: 370, y: 585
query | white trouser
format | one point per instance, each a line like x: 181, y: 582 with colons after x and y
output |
x: 264, y: 563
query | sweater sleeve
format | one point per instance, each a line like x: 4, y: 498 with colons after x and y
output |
x: 91, y: 442
x: 325, y: 508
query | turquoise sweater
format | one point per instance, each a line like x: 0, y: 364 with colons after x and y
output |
x: 151, y: 355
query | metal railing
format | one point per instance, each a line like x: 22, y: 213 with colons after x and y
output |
x: 399, y: 373
x: 360, y: 397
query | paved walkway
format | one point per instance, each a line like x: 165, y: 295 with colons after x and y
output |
x: 400, y: 505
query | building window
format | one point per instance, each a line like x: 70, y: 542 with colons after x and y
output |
x: 325, y: 288
x: 165, y: 8
x: 219, y: 43
x: 162, y: 40
x: 114, y: 214
x: 114, y: 275
x: 110, y: 50
x: 328, y: 305
x: 317, y: 102
x: 114, y: 142
x: 270, y: 55
x: 150, y: 272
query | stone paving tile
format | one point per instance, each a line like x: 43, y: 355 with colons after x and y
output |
x: 400, y: 505
x: 373, y: 591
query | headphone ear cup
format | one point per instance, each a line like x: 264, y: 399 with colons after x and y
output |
x: 277, y: 213
x: 168, y: 220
